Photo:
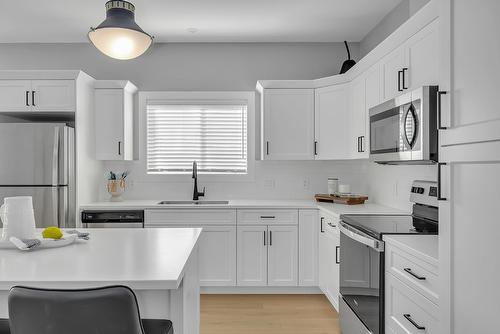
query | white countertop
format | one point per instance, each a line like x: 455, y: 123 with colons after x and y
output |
x: 139, y: 258
x: 427, y: 246
x: 233, y: 204
x: 367, y: 208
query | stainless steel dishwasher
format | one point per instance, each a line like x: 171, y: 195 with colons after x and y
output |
x: 113, y: 218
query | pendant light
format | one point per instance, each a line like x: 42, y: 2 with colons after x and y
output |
x: 118, y: 36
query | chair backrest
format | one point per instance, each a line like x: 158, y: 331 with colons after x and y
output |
x: 107, y: 310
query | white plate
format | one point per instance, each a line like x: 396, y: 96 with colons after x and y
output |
x: 66, y: 239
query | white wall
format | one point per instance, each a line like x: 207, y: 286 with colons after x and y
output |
x: 228, y: 67
x: 389, y: 23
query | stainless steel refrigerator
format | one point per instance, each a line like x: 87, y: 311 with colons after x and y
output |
x: 37, y: 159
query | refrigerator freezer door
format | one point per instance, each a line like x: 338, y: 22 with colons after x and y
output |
x: 29, y: 154
x: 45, y: 203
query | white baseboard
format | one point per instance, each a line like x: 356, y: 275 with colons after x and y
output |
x: 260, y: 290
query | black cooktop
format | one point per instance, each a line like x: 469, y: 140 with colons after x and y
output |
x: 378, y: 225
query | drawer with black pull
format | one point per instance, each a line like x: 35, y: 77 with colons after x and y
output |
x: 414, y: 269
x: 407, y: 311
x: 268, y: 217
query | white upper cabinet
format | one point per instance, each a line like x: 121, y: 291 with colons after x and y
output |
x: 372, y: 87
x: 37, y: 96
x: 282, y: 256
x: 288, y: 124
x: 357, y: 120
x: 422, y: 58
x: 15, y: 95
x: 114, y: 106
x: 332, y: 122
x: 53, y: 95
x: 392, y: 67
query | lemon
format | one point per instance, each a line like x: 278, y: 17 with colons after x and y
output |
x: 52, y: 232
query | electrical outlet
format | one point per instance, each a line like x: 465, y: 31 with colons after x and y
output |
x: 306, y: 183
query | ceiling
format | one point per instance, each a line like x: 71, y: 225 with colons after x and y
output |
x: 199, y: 20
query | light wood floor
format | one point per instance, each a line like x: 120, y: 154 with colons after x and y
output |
x: 268, y: 314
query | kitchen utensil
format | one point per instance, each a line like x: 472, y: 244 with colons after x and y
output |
x: 18, y: 218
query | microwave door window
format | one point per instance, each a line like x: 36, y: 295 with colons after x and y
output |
x: 384, y: 134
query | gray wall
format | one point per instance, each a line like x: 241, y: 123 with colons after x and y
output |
x: 195, y: 66
x: 400, y: 14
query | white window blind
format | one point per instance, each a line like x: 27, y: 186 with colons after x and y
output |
x: 215, y: 136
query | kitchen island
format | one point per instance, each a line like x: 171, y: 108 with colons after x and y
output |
x: 160, y: 265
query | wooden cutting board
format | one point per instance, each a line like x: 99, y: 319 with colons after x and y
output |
x: 348, y: 200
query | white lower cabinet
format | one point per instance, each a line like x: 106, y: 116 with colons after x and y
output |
x: 329, y: 258
x: 308, y: 247
x: 252, y: 255
x: 282, y: 256
x: 217, y: 259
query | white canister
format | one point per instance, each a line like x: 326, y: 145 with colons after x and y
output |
x: 344, y: 189
x: 18, y: 218
x: 333, y: 184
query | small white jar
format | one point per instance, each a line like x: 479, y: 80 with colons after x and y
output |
x: 333, y: 184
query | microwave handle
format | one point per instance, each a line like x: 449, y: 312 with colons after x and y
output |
x: 439, y: 94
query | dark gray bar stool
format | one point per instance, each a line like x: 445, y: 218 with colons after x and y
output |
x: 107, y: 310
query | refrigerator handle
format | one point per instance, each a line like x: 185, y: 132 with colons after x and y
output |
x: 55, y: 158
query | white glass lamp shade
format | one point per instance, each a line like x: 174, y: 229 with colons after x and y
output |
x: 119, y: 36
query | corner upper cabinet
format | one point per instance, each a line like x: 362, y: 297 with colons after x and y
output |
x: 332, y: 122
x: 114, y: 106
x: 287, y: 124
x: 47, y: 96
x: 358, y: 115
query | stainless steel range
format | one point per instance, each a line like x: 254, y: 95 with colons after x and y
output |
x: 361, y: 301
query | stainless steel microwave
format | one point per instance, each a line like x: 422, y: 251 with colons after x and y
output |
x: 404, y: 130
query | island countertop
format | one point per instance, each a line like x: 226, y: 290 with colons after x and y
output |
x: 139, y: 258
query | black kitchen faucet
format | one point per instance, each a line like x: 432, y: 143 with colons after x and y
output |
x: 196, y: 193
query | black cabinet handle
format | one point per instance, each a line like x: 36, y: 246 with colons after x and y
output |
x: 119, y: 148
x: 267, y: 217
x: 408, y: 270
x: 404, y: 72
x: 399, y: 81
x: 359, y: 149
x: 315, y: 148
x: 321, y: 225
x: 270, y: 238
x: 267, y: 147
x: 417, y: 326
x: 27, y: 98
x: 264, y: 238
x: 439, y: 94
x: 439, y: 196
x: 362, y: 140
x: 33, y: 98
x: 337, y: 249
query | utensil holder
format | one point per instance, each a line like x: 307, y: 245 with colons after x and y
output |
x: 116, y: 188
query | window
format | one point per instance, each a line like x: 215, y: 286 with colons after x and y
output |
x: 213, y: 135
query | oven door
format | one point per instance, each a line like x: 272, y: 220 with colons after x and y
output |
x: 361, y: 281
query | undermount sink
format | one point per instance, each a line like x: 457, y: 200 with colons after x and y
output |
x: 194, y: 202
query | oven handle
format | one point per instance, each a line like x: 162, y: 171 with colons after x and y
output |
x: 361, y: 237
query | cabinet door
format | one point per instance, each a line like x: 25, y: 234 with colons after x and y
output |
x: 421, y: 57
x: 470, y: 47
x: 357, y: 120
x: 391, y: 65
x: 252, y: 255
x: 15, y: 95
x: 288, y: 118
x: 109, y: 127
x: 334, y: 283
x: 53, y: 95
x: 282, y: 256
x: 332, y: 122
x: 217, y: 256
x: 324, y: 259
x: 308, y: 247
